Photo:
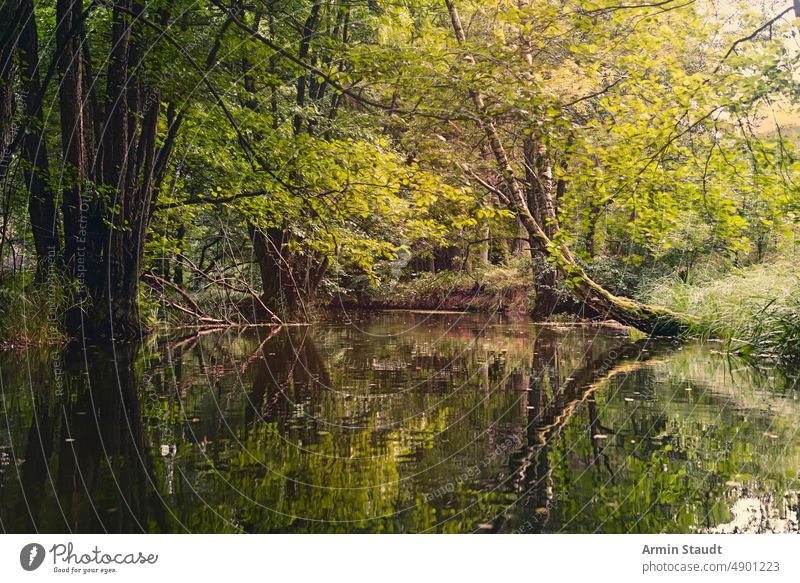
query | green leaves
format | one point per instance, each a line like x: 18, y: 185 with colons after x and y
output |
x: 654, y: 140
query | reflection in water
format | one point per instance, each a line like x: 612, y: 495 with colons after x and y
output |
x: 82, y: 464
x: 396, y: 422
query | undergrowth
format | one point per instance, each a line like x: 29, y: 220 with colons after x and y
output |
x: 486, y: 288
x: 32, y: 315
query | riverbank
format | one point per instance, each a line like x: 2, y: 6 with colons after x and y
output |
x: 490, y: 291
x: 755, y: 310
x: 506, y: 289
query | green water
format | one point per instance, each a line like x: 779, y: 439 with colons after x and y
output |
x: 397, y: 422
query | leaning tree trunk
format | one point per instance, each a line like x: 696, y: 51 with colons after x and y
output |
x: 651, y: 319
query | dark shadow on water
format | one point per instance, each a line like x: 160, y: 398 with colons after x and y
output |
x: 84, y: 467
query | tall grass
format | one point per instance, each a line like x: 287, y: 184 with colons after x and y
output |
x: 32, y: 315
x: 755, y: 310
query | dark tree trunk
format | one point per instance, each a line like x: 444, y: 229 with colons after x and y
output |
x: 74, y: 203
x: 9, y: 17
x: 9, y: 34
x: 280, y: 289
x: 268, y: 267
x: 104, y: 232
x: 289, y: 280
x: 41, y: 197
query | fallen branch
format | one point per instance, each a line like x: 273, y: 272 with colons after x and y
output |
x: 224, y: 284
x: 199, y: 317
x: 195, y: 310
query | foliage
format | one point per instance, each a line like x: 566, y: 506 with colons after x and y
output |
x: 348, y: 134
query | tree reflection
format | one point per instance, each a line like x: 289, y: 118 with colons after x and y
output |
x: 86, y: 467
x: 403, y: 425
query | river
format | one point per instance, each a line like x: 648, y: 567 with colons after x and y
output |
x: 397, y: 422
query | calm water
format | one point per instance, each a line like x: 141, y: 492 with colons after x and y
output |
x: 397, y: 422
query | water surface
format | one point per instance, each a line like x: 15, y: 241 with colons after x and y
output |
x: 397, y: 422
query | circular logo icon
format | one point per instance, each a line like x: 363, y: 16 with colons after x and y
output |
x: 31, y: 556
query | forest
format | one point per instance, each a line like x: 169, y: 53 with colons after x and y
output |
x: 508, y: 266
x: 211, y: 164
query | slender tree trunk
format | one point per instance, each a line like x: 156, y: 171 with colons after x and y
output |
x: 181, y: 236
x: 309, y: 29
x: 485, y: 245
x: 520, y: 242
x: 647, y: 318
x: 9, y: 35
x: 591, y: 231
x: 69, y: 36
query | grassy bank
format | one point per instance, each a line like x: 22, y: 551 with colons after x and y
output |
x: 489, y: 288
x: 756, y: 310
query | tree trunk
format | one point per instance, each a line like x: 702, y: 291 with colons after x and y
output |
x: 70, y: 65
x: 69, y: 37
x: 9, y: 27
x: 41, y: 197
x: 485, y: 245
x: 104, y: 233
x: 309, y: 29
x: 181, y: 236
x: 268, y: 265
x: 9, y: 33
x: 539, y: 198
x: 520, y: 242
x: 591, y: 231
x: 647, y: 318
